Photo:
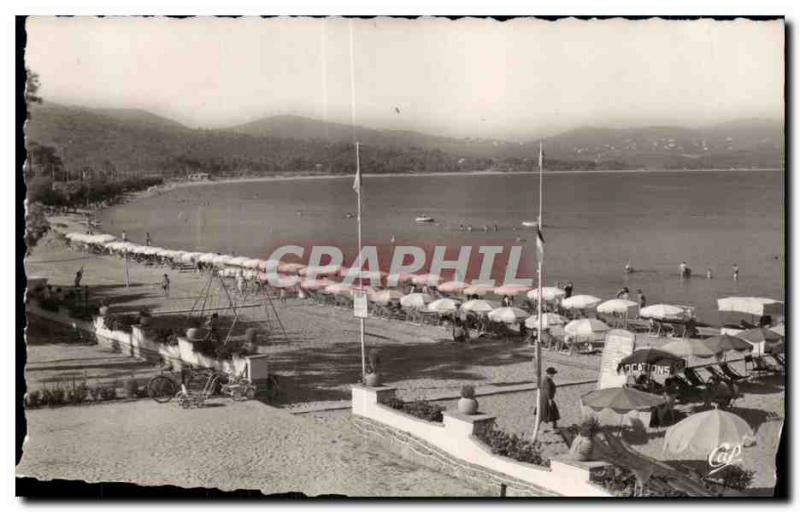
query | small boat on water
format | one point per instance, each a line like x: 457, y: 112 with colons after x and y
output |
x: 529, y: 223
x: 423, y: 219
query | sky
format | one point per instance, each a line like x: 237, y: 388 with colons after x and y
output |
x: 465, y: 78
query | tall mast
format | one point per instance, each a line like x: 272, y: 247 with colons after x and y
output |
x: 538, y: 347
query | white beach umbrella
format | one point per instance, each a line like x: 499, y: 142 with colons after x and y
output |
x: 290, y: 268
x: 104, y: 238
x: 443, y: 306
x: 587, y: 328
x: 508, y: 315
x: 478, y: 289
x: 580, y: 302
x: 320, y: 271
x: 663, y: 312
x: 398, y: 279
x: 385, y: 296
x: 338, y: 289
x: 478, y: 306
x: 618, y: 306
x: 426, y: 279
x: 512, y: 289
x: 315, y: 284
x: 452, y: 287
x: 207, y: 257
x: 548, y: 320
x: 549, y: 293
x: 415, y: 300
x: 222, y: 260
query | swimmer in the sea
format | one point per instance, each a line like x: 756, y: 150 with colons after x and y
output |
x: 628, y: 268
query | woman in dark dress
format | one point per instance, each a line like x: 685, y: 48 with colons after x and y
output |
x: 547, y: 404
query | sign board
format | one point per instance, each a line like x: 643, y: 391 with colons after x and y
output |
x: 619, y: 344
x: 359, y: 303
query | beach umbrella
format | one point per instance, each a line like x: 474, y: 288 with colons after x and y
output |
x: 760, y: 335
x: 705, y: 432
x: 207, y: 257
x: 426, y: 279
x: 686, y: 347
x: 278, y: 280
x: 415, y: 300
x: 238, y: 261
x: 478, y: 289
x: 647, y: 359
x: 385, y: 296
x: 548, y: 320
x: 621, y: 400
x: 549, y: 293
x: 726, y: 342
x: 104, y: 239
x: 315, y: 284
x: 586, y: 328
x: 442, y: 306
x: 508, y: 315
x: 338, y: 289
x: 511, y: 289
x: 619, y: 307
x: 222, y: 260
x: 452, y: 287
x: 478, y: 306
x: 756, y: 306
x: 663, y: 312
x: 320, y: 271
x: 290, y: 268
x: 580, y: 302
x: 399, y: 279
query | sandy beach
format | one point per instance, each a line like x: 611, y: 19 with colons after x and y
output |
x: 317, y: 363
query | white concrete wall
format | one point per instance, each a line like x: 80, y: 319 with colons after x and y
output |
x: 455, y: 437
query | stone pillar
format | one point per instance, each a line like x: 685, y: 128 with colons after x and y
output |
x: 465, y: 425
x: 365, y: 396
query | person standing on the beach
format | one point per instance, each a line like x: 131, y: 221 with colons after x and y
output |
x: 124, y: 236
x: 624, y: 293
x: 241, y: 283
x: 282, y: 295
x: 568, y: 290
x: 78, y: 277
x: 683, y: 268
x: 165, y: 285
x: 642, y: 299
x: 147, y: 240
x: 735, y: 272
x: 547, y: 404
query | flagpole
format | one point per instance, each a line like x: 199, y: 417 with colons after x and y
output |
x: 538, y: 347
x: 360, y: 262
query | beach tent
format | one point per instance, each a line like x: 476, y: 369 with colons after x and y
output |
x: 512, y: 289
x: 580, y: 302
x: 478, y: 306
x: 415, y: 300
x: 618, y: 307
x: 756, y: 306
x: 508, y: 315
x: 452, y: 287
x: 549, y: 293
x: 478, y: 289
x: 442, y: 306
x: 648, y: 359
x: 548, y: 320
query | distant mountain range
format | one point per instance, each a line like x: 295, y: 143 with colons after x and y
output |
x: 141, y: 142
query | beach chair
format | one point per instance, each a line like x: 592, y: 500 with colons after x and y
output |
x: 681, y: 389
x: 780, y: 364
x: 731, y: 373
x: 716, y: 372
x: 758, y: 365
x: 693, y: 377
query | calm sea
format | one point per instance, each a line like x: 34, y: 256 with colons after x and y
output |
x: 593, y: 224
